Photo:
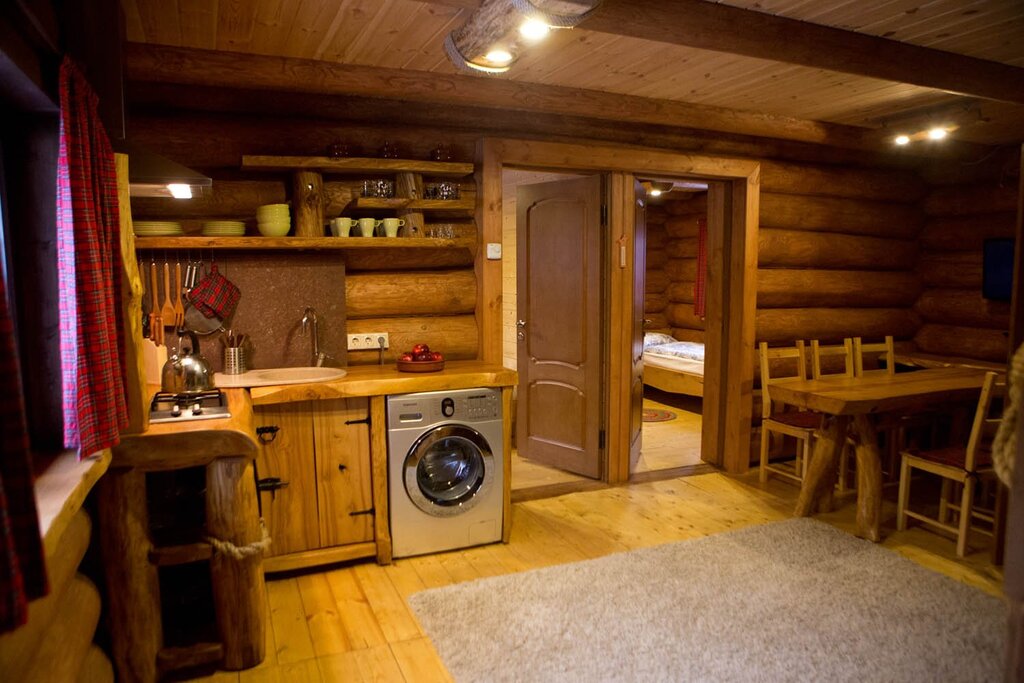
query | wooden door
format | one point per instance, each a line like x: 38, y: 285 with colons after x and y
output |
x: 342, y: 437
x: 558, y: 239
x: 636, y: 393
x: 290, y: 512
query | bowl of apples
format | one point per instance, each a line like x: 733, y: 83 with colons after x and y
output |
x: 420, y: 359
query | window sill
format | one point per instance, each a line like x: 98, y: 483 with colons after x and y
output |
x: 61, y: 488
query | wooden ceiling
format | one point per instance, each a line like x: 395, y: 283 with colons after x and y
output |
x: 408, y: 35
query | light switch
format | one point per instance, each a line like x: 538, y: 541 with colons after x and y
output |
x: 494, y: 251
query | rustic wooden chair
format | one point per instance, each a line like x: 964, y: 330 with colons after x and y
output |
x: 776, y: 419
x: 860, y: 350
x: 820, y: 355
x: 957, y: 464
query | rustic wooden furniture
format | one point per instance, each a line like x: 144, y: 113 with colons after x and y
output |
x: 861, y: 349
x: 859, y: 400
x: 798, y: 424
x: 963, y: 465
x: 819, y: 363
x: 674, y: 375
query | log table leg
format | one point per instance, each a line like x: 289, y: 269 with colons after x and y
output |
x: 133, y: 588
x: 822, y: 471
x: 239, y: 589
x: 869, y: 479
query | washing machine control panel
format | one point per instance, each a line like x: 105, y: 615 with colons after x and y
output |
x: 466, y: 406
x: 485, y: 406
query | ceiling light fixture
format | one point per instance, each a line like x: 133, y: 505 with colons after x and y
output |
x: 534, y: 29
x: 902, y: 139
x: 660, y: 187
x: 503, y: 29
x: 937, y: 133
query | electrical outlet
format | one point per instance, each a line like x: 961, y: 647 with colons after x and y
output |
x: 367, y: 340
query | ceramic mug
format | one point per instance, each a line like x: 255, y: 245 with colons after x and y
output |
x: 391, y: 226
x: 342, y: 226
x: 367, y: 226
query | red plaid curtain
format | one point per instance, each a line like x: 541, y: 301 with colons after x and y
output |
x: 22, y: 571
x: 700, y: 285
x: 89, y: 255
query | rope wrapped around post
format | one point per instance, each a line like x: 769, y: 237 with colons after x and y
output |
x: 1004, y: 446
x: 241, y: 552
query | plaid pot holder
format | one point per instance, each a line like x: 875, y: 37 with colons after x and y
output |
x: 215, y: 295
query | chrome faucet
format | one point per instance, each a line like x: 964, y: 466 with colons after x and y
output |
x: 309, y: 322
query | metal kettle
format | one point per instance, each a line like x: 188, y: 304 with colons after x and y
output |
x: 187, y: 371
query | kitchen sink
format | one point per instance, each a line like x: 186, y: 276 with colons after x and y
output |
x: 273, y: 376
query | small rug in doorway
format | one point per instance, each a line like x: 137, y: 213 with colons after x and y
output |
x: 656, y: 415
x: 789, y: 601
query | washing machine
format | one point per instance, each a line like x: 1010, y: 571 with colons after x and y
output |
x: 445, y: 470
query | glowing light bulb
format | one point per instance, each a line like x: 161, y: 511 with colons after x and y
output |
x: 534, y: 29
x: 902, y: 139
x: 180, y: 191
x: 654, y: 193
x: 937, y: 133
x: 498, y: 56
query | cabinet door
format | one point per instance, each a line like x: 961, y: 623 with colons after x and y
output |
x: 289, y: 512
x: 343, y: 471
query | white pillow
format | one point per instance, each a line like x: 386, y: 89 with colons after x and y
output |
x: 656, y: 339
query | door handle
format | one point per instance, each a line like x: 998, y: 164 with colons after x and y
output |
x: 520, y: 330
x: 520, y: 324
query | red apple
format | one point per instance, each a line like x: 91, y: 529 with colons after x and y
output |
x: 420, y: 348
x: 406, y: 358
x: 425, y: 356
x: 436, y: 355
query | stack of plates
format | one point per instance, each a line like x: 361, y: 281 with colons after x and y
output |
x: 157, y: 228
x: 273, y: 220
x: 223, y: 229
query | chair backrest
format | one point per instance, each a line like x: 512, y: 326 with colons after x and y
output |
x: 820, y: 352
x: 860, y: 349
x: 796, y: 353
x: 986, y: 418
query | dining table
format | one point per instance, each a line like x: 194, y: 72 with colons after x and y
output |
x: 859, y: 401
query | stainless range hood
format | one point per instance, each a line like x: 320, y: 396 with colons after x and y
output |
x: 152, y: 175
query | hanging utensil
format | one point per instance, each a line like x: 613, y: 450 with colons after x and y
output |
x: 167, y: 310
x: 156, y: 324
x: 179, y: 310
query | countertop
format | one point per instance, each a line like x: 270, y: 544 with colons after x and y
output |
x: 379, y: 380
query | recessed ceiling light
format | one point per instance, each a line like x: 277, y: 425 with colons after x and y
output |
x: 180, y: 190
x: 654, y: 192
x: 534, y: 29
x: 937, y: 133
x: 902, y: 139
x: 499, y: 57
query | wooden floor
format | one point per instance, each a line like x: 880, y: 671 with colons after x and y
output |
x: 353, y: 624
x: 666, y: 445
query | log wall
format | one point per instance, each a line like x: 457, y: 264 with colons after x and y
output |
x: 956, y: 319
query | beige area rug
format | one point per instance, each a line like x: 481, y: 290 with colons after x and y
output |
x: 790, y: 601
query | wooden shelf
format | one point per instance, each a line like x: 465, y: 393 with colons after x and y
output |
x: 369, y: 203
x: 357, y: 165
x: 342, y: 243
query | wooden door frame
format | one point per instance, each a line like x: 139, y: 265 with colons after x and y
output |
x: 733, y: 201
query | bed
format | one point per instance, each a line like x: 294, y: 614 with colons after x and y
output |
x: 673, y: 366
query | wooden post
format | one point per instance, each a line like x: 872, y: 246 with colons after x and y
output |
x: 869, y: 479
x: 131, y: 308
x: 239, y: 589
x: 410, y: 185
x: 820, y: 473
x: 133, y: 589
x: 379, y: 473
x: 308, y: 203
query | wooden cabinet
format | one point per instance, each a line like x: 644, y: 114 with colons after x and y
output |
x: 315, y: 481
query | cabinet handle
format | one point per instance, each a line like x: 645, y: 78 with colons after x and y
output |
x: 364, y: 421
x: 368, y: 511
x: 263, y: 432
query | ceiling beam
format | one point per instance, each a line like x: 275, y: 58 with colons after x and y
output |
x: 188, y: 66
x: 721, y: 28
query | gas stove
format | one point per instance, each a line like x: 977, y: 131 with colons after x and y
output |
x: 197, y: 405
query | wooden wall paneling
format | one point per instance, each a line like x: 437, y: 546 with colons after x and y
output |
x: 696, y: 204
x: 456, y: 336
x: 379, y: 473
x: 681, y: 292
x: 688, y: 335
x: 843, y: 215
x: 620, y: 277
x: 421, y: 259
x: 781, y: 177
x: 67, y: 642
x: 657, y: 280
x: 967, y: 342
x: 963, y: 308
x: 796, y: 288
x: 682, y: 315
x: 805, y: 249
x: 961, y: 200
x: 683, y: 225
x: 440, y: 292
x: 967, y: 232
x: 783, y: 325
x: 713, y: 412
x: 958, y: 270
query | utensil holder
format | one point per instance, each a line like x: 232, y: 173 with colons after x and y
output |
x: 236, y: 360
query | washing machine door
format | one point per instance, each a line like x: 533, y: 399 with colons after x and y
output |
x: 448, y: 470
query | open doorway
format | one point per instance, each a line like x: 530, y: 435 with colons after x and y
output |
x: 674, y: 281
